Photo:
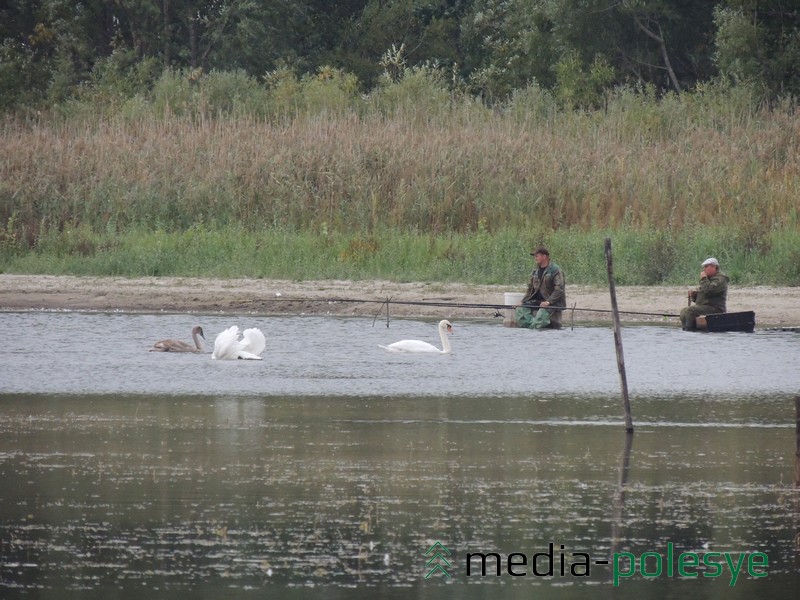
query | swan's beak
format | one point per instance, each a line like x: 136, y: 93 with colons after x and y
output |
x: 449, y: 329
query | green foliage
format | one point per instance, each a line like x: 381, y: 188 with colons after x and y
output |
x: 649, y: 256
x: 229, y: 93
x: 509, y: 45
x: 330, y: 91
x: 428, y: 30
x: 782, y: 260
x: 737, y: 53
x: 22, y: 80
x: 579, y: 87
x: 758, y: 42
x: 482, y: 257
x: 13, y: 241
x: 174, y: 93
x: 417, y: 91
x: 69, y: 241
x: 196, y: 94
x: 121, y: 75
x: 108, y: 53
x: 533, y: 104
x: 284, y: 93
x: 359, y: 250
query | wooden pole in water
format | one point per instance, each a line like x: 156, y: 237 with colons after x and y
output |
x: 797, y: 445
x: 618, y: 339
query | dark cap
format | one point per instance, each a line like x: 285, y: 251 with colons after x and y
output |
x: 541, y: 250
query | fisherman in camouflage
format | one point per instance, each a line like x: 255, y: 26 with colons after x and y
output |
x: 709, y: 298
x: 546, y: 289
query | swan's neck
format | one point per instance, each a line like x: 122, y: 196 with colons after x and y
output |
x: 445, y: 340
x: 197, y: 342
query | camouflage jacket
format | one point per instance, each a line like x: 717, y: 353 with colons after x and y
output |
x: 713, y: 291
x: 551, y: 285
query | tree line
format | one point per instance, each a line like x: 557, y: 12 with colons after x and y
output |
x: 51, y: 49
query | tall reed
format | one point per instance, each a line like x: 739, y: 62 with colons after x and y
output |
x: 366, y: 172
x: 314, y: 157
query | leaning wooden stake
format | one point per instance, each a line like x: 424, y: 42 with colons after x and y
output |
x: 618, y: 340
x: 797, y: 446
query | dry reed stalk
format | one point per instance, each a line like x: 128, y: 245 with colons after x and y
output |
x: 393, y: 172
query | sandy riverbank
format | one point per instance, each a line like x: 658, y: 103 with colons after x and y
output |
x: 773, y: 306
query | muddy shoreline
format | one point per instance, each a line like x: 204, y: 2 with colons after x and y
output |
x: 774, y: 306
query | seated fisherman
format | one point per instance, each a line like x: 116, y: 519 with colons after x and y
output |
x: 546, y: 289
x: 709, y: 298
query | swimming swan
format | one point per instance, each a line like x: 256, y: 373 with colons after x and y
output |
x: 424, y: 347
x: 228, y: 346
x: 171, y: 345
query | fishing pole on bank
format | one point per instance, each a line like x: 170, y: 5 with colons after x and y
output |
x: 437, y: 303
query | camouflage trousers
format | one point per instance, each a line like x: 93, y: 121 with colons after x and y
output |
x: 527, y: 317
x: 690, y: 313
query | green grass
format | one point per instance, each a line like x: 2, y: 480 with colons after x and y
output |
x: 641, y: 257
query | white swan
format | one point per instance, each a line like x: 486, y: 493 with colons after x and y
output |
x: 424, y: 347
x: 228, y: 346
x: 171, y: 345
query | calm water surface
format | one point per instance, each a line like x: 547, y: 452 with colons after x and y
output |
x: 328, y: 469
x: 77, y: 353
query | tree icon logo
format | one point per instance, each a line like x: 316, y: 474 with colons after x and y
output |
x: 437, y: 561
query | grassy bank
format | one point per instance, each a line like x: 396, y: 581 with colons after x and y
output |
x: 641, y: 257
x: 308, y: 180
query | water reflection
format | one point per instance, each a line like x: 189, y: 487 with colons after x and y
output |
x: 619, y: 498
x: 230, y: 494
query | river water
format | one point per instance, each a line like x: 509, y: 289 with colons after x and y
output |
x: 331, y: 467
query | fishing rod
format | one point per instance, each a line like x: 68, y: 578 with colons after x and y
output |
x: 491, y: 306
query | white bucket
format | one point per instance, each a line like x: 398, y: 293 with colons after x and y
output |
x: 511, y: 299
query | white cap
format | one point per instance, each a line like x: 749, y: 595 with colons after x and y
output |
x: 710, y: 261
